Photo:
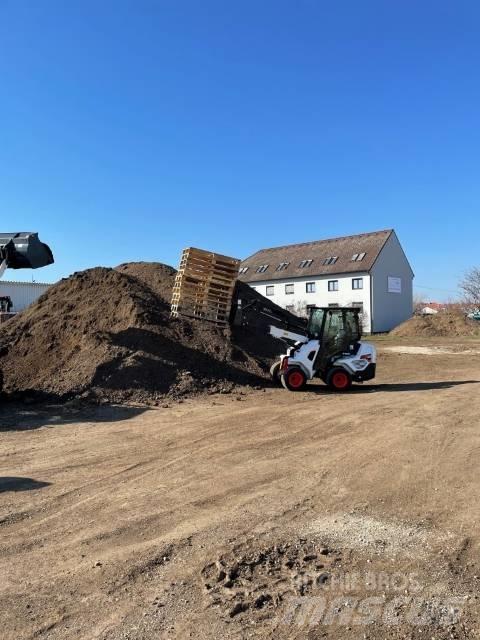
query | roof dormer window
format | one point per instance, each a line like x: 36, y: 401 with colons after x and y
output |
x: 358, y: 257
x: 305, y: 263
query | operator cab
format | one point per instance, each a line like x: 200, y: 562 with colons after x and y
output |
x: 6, y: 304
x: 338, y: 329
x: 331, y: 321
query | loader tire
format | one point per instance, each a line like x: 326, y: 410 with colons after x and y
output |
x: 294, y: 379
x: 338, y: 379
x: 275, y: 372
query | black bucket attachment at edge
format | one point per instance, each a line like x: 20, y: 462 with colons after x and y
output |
x: 24, y: 250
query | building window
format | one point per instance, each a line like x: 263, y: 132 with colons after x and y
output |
x: 357, y: 283
x: 270, y: 290
x: 289, y: 288
x: 331, y: 260
x: 333, y: 285
x: 282, y: 266
x: 394, y: 284
x: 310, y: 287
x: 305, y: 263
x: 358, y: 257
x: 262, y: 268
x: 243, y: 270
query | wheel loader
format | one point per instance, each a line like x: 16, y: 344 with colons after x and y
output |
x: 328, y: 345
x: 22, y: 250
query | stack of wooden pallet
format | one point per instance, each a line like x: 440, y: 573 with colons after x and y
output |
x: 204, y: 285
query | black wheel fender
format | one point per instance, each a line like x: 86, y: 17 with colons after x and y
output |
x: 275, y: 371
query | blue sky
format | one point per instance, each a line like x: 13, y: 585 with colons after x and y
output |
x: 130, y: 130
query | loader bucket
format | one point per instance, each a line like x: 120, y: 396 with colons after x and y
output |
x: 24, y: 250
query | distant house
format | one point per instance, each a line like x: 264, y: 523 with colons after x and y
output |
x: 432, y: 308
x: 369, y: 271
x: 428, y: 311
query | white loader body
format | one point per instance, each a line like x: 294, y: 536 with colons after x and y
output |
x: 331, y: 350
x: 356, y: 363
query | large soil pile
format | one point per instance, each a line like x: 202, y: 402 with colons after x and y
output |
x: 448, y: 324
x: 107, y: 334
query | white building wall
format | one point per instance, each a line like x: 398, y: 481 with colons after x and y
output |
x: 22, y: 293
x: 392, y: 290
x: 322, y: 297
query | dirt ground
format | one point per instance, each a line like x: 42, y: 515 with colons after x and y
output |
x: 264, y: 515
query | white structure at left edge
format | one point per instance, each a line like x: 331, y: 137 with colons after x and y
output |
x: 369, y: 270
x: 22, y: 294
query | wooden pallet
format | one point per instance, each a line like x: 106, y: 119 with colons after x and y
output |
x: 204, y: 285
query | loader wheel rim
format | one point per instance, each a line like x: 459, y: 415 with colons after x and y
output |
x: 340, y: 380
x: 296, y: 379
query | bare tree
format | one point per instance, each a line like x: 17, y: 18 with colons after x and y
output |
x: 301, y: 308
x: 363, y: 315
x: 418, y: 304
x: 470, y: 285
x: 364, y: 320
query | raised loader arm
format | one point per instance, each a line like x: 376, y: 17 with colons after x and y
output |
x: 284, y: 334
x: 254, y: 311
